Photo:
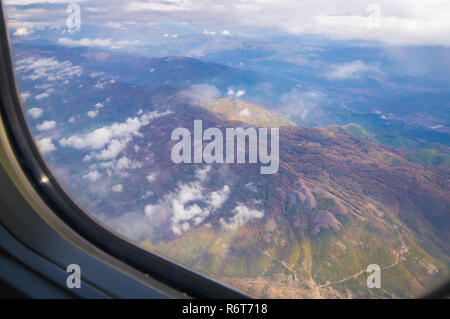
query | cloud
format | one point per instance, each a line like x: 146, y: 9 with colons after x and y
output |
x: 400, y: 22
x: 206, y: 32
x: 201, y: 94
x: 189, y: 204
x: 46, y: 125
x: 240, y: 93
x: 231, y: 92
x: 112, y: 139
x: 242, y: 216
x: 49, y: 69
x: 46, y: 145
x: 92, y: 114
x: 92, y: 176
x: 23, y: 31
x: 24, y: 96
x: 35, y: 112
x: 42, y: 96
x: 226, y: 33
x: 152, y: 177
x: 300, y: 103
x: 29, y: 2
x: 117, y: 188
x: 245, y: 113
x: 167, y: 6
x: 86, y: 42
x: 349, y: 70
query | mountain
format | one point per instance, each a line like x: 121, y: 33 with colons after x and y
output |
x: 338, y: 204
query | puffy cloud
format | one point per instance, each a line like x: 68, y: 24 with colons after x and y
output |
x: 46, y: 125
x: 126, y: 163
x: 206, y: 32
x: 245, y: 113
x: 46, y: 145
x: 184, y: 203
x: 49, y: 69
x: 113, y: 149
x: 42, y: 96
x: 242, y: 216
x: 23, y: 31
x: 35, y: 112
x: 117, y: 188
x: 152, y: 177
x: 92, y: 114
x: 349, y: 70
x: 240, y: 93
x: 92, y: 176
x: 24, y: 96
x: 101, y: 137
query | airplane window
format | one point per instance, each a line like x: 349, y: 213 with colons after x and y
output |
x: 287, y: 149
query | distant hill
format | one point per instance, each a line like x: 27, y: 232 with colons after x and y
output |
x: 239, y: 110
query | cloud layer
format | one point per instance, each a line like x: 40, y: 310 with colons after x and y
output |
x: 401, y: 22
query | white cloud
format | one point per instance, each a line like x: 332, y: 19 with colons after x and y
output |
x: 245, y: 113
x: 167, y: 6
x: 28, y: 2
x: 46, y: 145
x: 92, y: 176
x: 402, y: 22
x: 42, y: 96
x: 183, y: 203
x: 24, y: 96
x: 46, y: 125
x: 111, y: 140
x: 35, y: 112
x: 206, y: 32
x: 201, y: 94
x: 242, y: 216
x: 152, y: 177
x: 113, y: 149
x: 92, y: 114
x: 349, y: 70
x: 100, y: 137
x: 240, y: 93
x: 23, y: 30
x: 117, y: 188
x: 226, y: 33
x: 46, y: 68
x: 86, y: 42
x: 99, y: 105
x: 126, y: 163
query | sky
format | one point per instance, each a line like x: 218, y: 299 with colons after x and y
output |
x: 391, y: 22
